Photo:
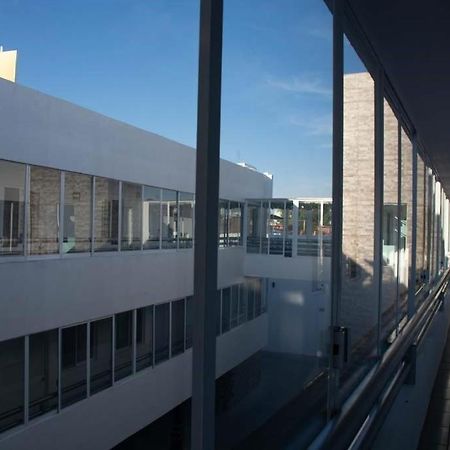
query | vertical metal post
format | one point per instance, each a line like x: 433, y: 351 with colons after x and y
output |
x: 134, y: 336
x: 59, y: 369
x: 88, y: 359
x: 399, y: 222
x: 61, y: 214
x: 119, y: 225
x: 26, y: 380
x: 337, y: 192
x: 26, y: 231
x: 113, y: 354
x: 412, y: 265
x: 93, y: 216
x: 206, y: 220
x: 379, y: 200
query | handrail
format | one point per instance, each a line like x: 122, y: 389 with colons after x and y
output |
x: 343, y: 428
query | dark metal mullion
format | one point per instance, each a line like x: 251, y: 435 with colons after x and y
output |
x: 206, y: 220
x: 338, y: 185
x: 379, y: 199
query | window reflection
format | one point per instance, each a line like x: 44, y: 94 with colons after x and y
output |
x: 169, y: 219
x: 185, y: 220
x: 131, y: 216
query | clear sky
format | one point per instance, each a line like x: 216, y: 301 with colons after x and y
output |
x: 136, y: 61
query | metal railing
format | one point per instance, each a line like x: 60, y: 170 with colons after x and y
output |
x: 363, y: 413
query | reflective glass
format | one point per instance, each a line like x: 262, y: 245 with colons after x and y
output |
x: 177, y: 327
x: 11, y: 383
x: 77, y: 213
x: 253, y: 228
x: 123, y: 356
x: 144, y: 337
x: 169, y: 219
x: 131, y: 216
x: 235, y: 224
x: 162, y: 336
x: 43, y: 229
x: 277, y: 228
x: 185, y: 220
x: 106, y: 230
x: 73, y: 364
x: 12, y: 212
x: 223, y: 223
x: 151, y: 212
x: 43, y: 372
x: 101, y: 354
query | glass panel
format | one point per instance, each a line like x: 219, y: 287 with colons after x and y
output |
x: 106, y: 215
x: 276, y: 228
x: 218, y: 312
x: 359, y: 304
x: 144, y: 337
x: 186, y: 220
x: 308, y: 229
x: 162, y: 325
x: 226, y: 309
x: 223, y: 223
x: 421, y: 230
x: 189, y: 322
x: 131, y: 216
x: 235, y: 224
x: 77, y: 213
x: 12, y: 189
x: 250, y: 298
x: 390, y: 228
x: 151, y: 212
x: 124, y: 345
x: 405, y: 226
x: 177, y: 327
x: 101, y: 354
x: 45, y: 188
x: 73, y: 364
x: 169, y: 219
x: 242, y: 303
x: 43, y: 373
x: 265, y: 216
x: 253, y: 228
x: 289, y: 228
x: 11, y: 383
x: 234, y: 306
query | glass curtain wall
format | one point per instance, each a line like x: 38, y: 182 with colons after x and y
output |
x: 106, y: 228
x: 12, y: 208
x: 77, y: 213
x: 131, y: 216
x: 359, y: 300
x: 390, y: 227
x: 280, y: 105
x: 44, y: 211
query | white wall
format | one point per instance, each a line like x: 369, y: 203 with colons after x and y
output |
x: 39, y: 129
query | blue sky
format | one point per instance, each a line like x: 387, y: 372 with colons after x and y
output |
x: 136, y: 61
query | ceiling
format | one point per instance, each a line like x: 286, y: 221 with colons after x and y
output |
x: 412, y: 40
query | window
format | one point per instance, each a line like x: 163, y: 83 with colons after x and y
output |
x: 12, y: 188
x: 258, y: 300
x: 242, y: 303
x: 235, y: 224
x: 169, y: 219
x: 186, y: 220
x: 226, y: 309
x: 223, y: 223
x: 11, y: 383
x: 265, y: 215
x: 124, y: 345
x: 253, y: 228
x: 234, y: 305
x: 43, y: 372
x: 189, y: 322
x: 276, y: 228
x: 250, y: 299
x: 218, y: 300
x: 77, y: 213
x: 106, y: 231
x: 73, y: 364
x: 144, y: 337
x: 289, y: 229
x: 162, y: 316
x: 101, y: 354
x: 177, y: 327
x: 44, y: 211
x: 131, y: 216
x: 151, y: 213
